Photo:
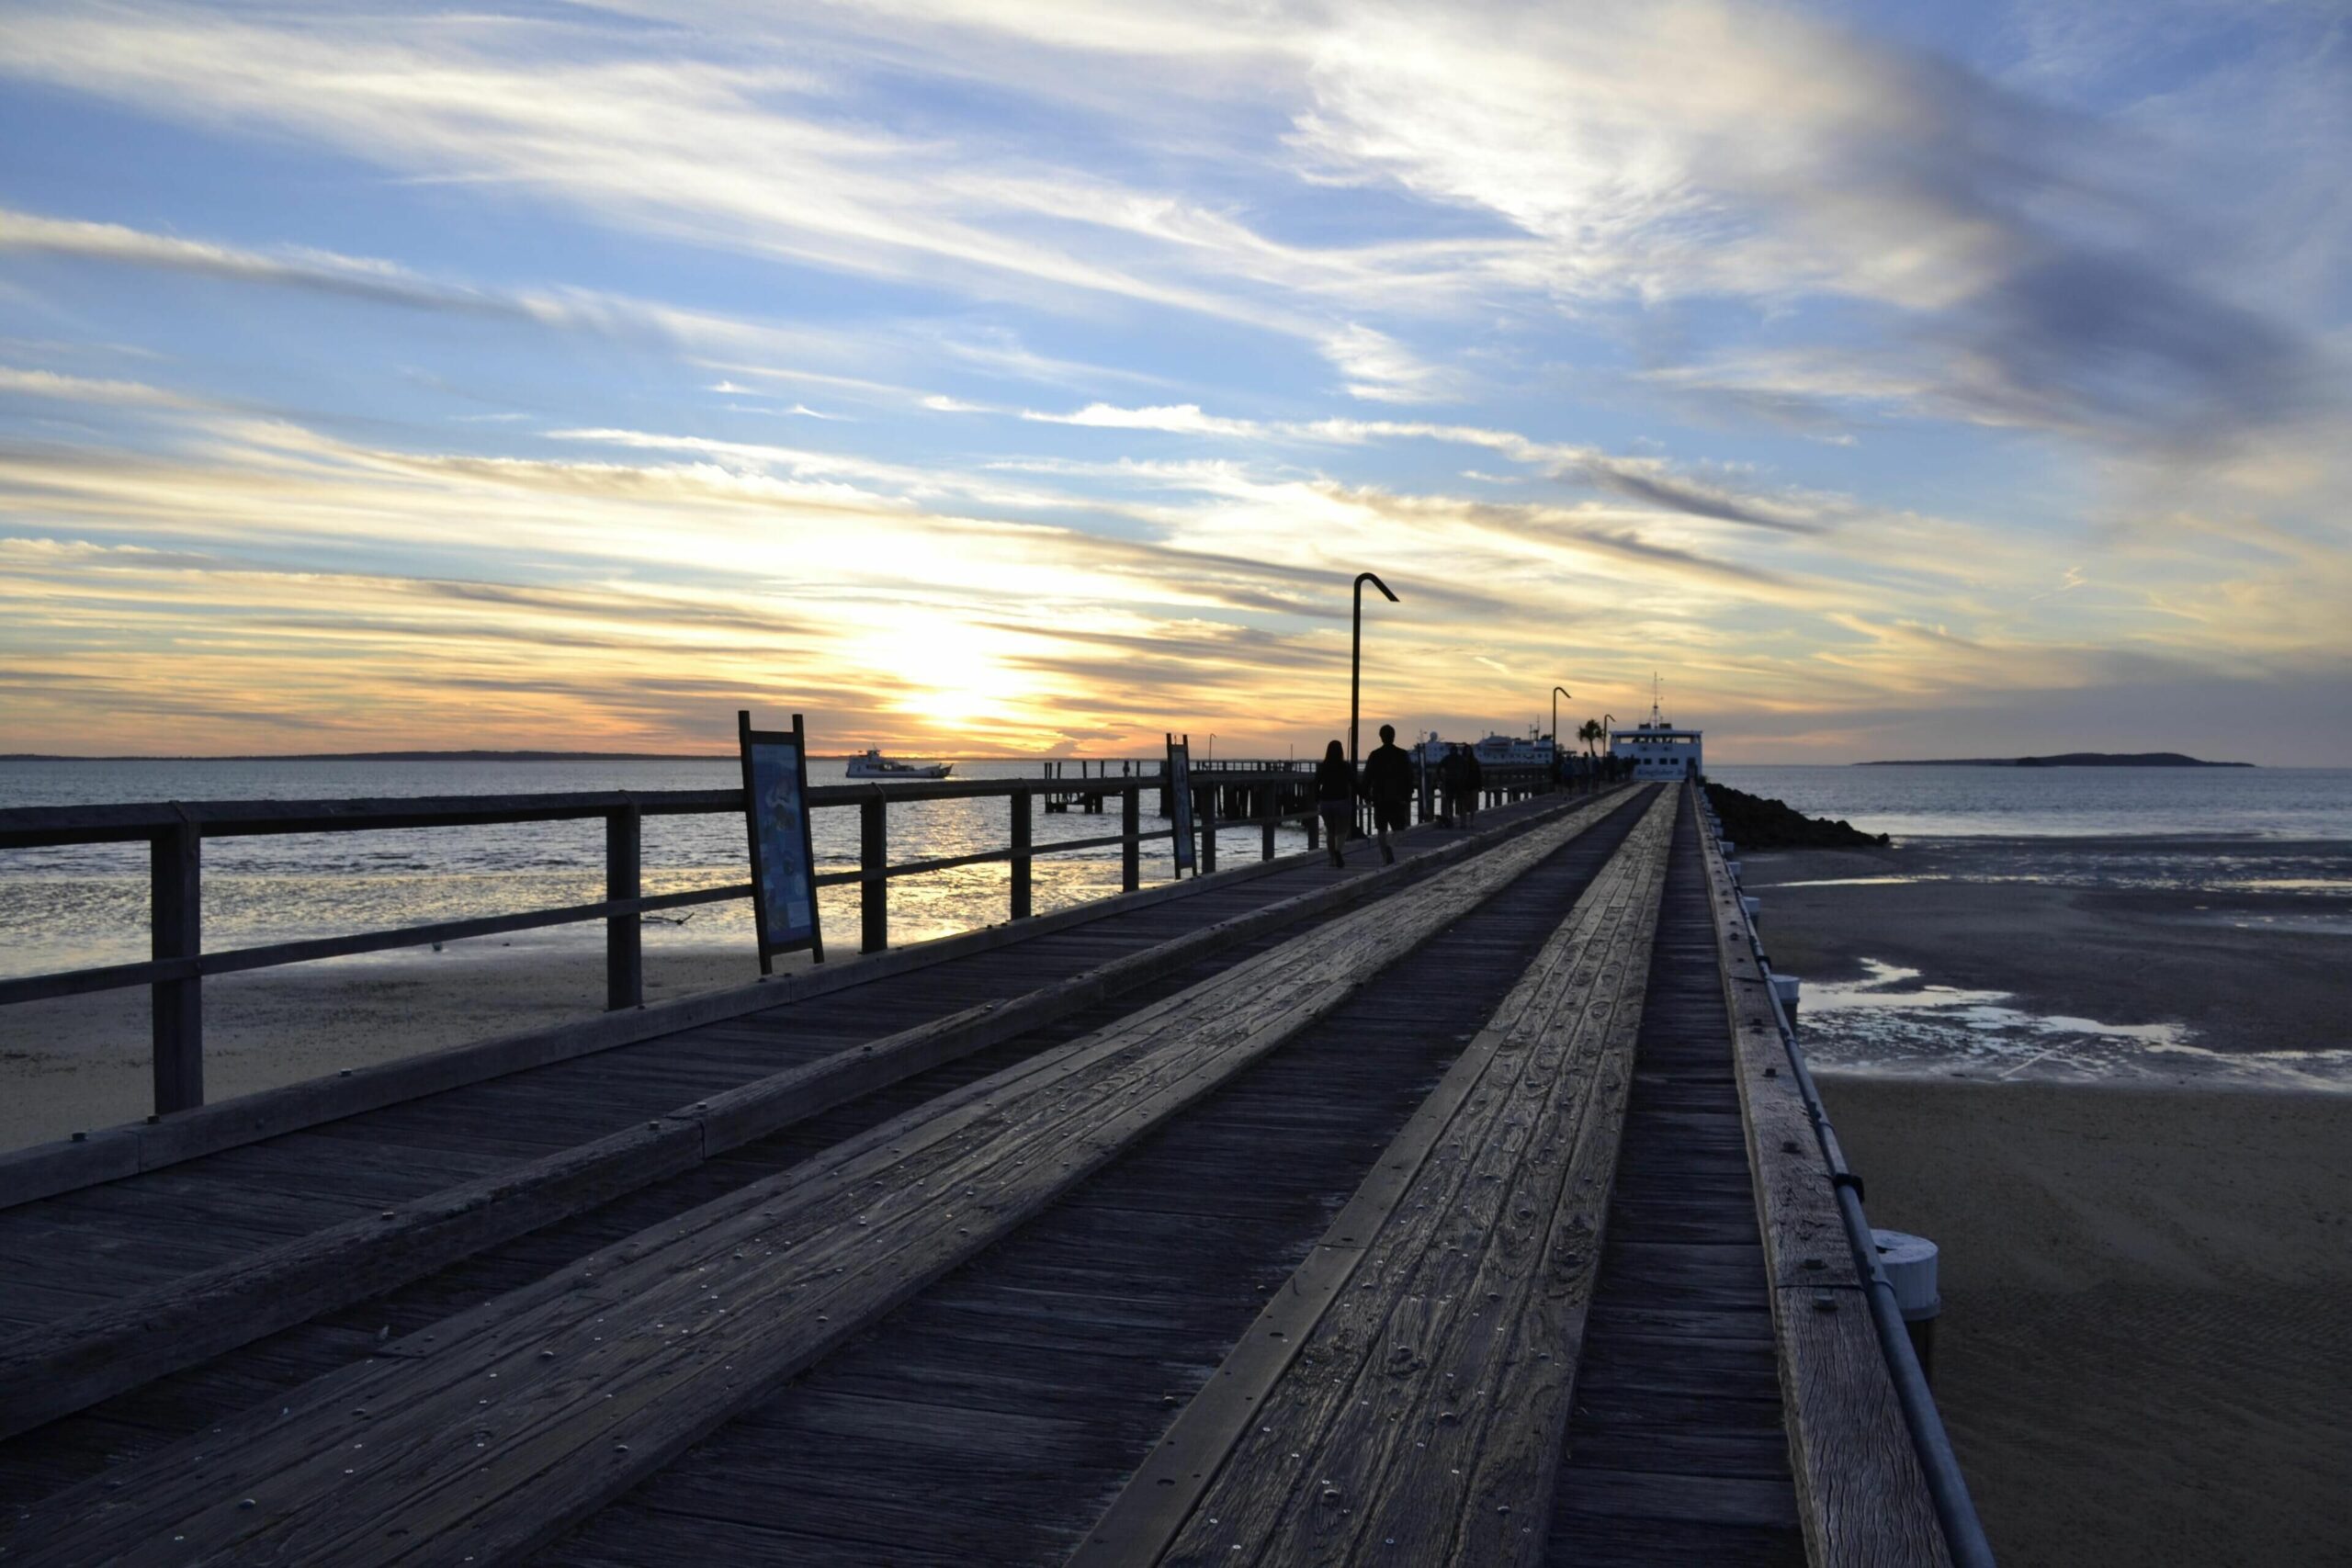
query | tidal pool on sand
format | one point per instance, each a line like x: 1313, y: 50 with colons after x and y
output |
x: 1889, y: 1021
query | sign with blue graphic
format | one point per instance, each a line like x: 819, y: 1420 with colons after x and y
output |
x: 784, y: 862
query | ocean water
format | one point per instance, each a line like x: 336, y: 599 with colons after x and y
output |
x: 2137, y: 802
x: 69, y: 907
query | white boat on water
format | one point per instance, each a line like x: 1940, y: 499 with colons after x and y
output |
x: 873, y: 765
x: 1495, y: 750
x: 1505, y: 750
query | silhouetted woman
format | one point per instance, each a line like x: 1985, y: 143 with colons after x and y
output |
x: 1335, y: 798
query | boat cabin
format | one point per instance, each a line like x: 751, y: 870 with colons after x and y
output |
x: 1658, y: 750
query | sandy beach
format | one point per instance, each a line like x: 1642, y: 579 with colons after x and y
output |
x: 2145, y: 1352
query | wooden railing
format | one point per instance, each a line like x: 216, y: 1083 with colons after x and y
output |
x: 174, y: 832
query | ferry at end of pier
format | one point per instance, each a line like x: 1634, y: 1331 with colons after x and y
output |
x: 1657, y: 750
x: 873, y: 765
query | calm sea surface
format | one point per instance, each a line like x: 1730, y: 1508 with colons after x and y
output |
x: 64, y: 907
x: 1930, y: 801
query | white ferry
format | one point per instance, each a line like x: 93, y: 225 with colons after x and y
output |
x: 1657, y: 749
x: 1495, y: 750
x: 873, y: 765
x: 1534, y: 749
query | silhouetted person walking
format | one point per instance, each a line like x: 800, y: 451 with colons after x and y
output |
x: 1335, y: 798
x: 1388, y: 785
x: 1473, y: 778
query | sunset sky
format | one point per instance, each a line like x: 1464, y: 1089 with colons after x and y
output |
x: 1944, y: 380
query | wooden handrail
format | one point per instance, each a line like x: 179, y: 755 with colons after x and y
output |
x: 175, y: 831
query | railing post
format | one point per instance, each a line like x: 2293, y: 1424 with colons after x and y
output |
x: 1131, y: 829
x: 176, y: 930
x: 1266, y: 827
x: 624, y: 934
x: 1208, y: 833
x: 1020, y: 857
x: 873, y: 860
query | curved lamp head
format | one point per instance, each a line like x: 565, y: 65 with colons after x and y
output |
x: 1374, y: 578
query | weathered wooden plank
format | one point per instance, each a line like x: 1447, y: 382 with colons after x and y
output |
x: 1861, y: 1495
x: 1453, y: 1216
x: 597, y: 1380
x: 1480, y: 1457
x: 1708, y: 1499
x: 1862, y: 1482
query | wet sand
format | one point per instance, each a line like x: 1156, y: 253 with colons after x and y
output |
x: 81, y: 1062
x: 2244, y: 972
x: 2145, y: 1353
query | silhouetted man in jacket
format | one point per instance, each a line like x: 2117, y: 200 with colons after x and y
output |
x: 1388, y: 785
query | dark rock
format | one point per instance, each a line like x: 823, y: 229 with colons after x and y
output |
x: 1752, y: 822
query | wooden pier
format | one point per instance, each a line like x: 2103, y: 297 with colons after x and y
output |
x: 1471, y: 1209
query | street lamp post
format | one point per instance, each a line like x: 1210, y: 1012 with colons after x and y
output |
x: 1356, y: 658
x: 1355, y: 675
x: 1558, y: 777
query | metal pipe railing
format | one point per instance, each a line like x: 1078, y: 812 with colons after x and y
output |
x: 1947, y: 1486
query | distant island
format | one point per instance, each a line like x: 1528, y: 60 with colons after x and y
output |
x: 2063, y: 760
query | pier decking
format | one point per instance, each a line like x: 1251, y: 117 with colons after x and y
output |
x: 1466, y: 1211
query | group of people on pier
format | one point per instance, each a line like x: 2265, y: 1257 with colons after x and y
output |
x: 1389, y: 779
x: 1387, y: 784
x: 1587, y: 773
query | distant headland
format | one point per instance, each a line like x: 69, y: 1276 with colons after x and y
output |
x: 2065, y: 760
